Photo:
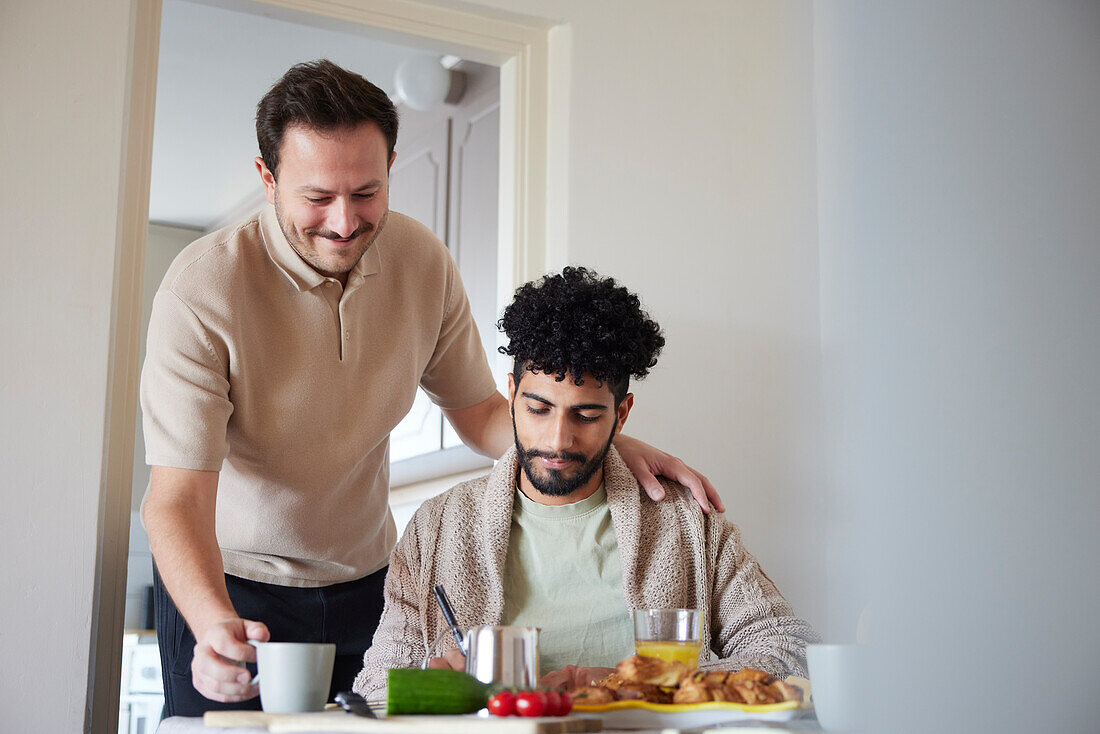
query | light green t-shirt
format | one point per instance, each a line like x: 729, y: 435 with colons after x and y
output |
x: 563, y: 575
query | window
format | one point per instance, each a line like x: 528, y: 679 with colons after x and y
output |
x: 446, y: 177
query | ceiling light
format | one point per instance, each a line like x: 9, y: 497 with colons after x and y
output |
x: 423, y: 83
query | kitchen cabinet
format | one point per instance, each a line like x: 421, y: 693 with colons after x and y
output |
x: 142, y: 699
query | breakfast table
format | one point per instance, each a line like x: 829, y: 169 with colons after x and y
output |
x: 474, y: 723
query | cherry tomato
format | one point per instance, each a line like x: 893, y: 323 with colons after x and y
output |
x: 502, y: 703
x: 531, y: 703
x: 553, y: 703
x: 566, y: 704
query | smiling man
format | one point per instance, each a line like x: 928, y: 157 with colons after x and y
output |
x: 557, y: 536
x: 330, y: 214
x: 282, y: 351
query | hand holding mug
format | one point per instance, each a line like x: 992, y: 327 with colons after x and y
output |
x: 217, y: 668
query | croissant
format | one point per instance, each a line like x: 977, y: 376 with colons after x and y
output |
x: 641, y: 678
x: 750, y: 674
x: 751, y: 692
x: 592, y: 696
x: 644, y: 692
x: 784, y: 691
x: 613, y: 681
x: 692, y: 691
x: 724, y: 693
x: 716, y: 677
x: 654, y: 671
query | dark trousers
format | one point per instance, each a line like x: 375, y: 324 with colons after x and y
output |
x: 346, y: 614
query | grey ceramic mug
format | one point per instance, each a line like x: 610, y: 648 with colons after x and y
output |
x: 293, y: 676
x: 834, y: 677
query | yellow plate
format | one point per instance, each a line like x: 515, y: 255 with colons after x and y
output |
x: 679, y: 708
x: 643, y: 714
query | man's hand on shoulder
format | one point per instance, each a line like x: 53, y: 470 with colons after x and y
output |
x: 646, y: 462
x: 216, y: 670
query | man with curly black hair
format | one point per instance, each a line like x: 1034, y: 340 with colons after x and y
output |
x: 557, y: 537
x: 578, y: 327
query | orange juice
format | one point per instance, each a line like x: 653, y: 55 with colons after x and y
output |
x: 687, y: 652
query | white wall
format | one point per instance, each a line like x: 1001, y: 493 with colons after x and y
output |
x: 959, y: 189
x: 691, y: 179
x: 958, y: 266
x: 60, y: 156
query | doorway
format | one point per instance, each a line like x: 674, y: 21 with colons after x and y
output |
x: 519, y: 48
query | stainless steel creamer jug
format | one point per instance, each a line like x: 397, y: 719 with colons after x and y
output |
x: 505, y: 656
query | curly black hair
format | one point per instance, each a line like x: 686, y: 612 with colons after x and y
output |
x: 578, y: 323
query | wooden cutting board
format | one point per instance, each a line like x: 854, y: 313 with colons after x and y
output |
x: 337, y: 720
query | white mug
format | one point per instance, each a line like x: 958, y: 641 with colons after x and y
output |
x: 834, y: 675
x: 294, y: 676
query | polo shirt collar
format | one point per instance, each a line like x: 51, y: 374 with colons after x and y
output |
x: 297, y: 270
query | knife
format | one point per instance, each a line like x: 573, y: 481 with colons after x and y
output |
x: 353, y: 703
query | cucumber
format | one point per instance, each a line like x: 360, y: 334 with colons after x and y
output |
x: 414, y: 691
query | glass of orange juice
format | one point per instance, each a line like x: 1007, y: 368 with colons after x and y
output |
x: 668, y: 634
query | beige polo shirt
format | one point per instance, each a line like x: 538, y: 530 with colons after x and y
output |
x: 259, y: 367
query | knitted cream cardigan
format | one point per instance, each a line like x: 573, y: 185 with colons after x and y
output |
x: 673, y: 556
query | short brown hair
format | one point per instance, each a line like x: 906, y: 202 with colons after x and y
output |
x: 322, y: 96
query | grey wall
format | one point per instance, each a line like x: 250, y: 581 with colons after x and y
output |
x: 959, y: 192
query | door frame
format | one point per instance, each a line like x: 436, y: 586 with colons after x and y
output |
x: 533, y: 55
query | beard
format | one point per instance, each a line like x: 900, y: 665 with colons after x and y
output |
x: 299, y: 240
x: 556, y: 482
